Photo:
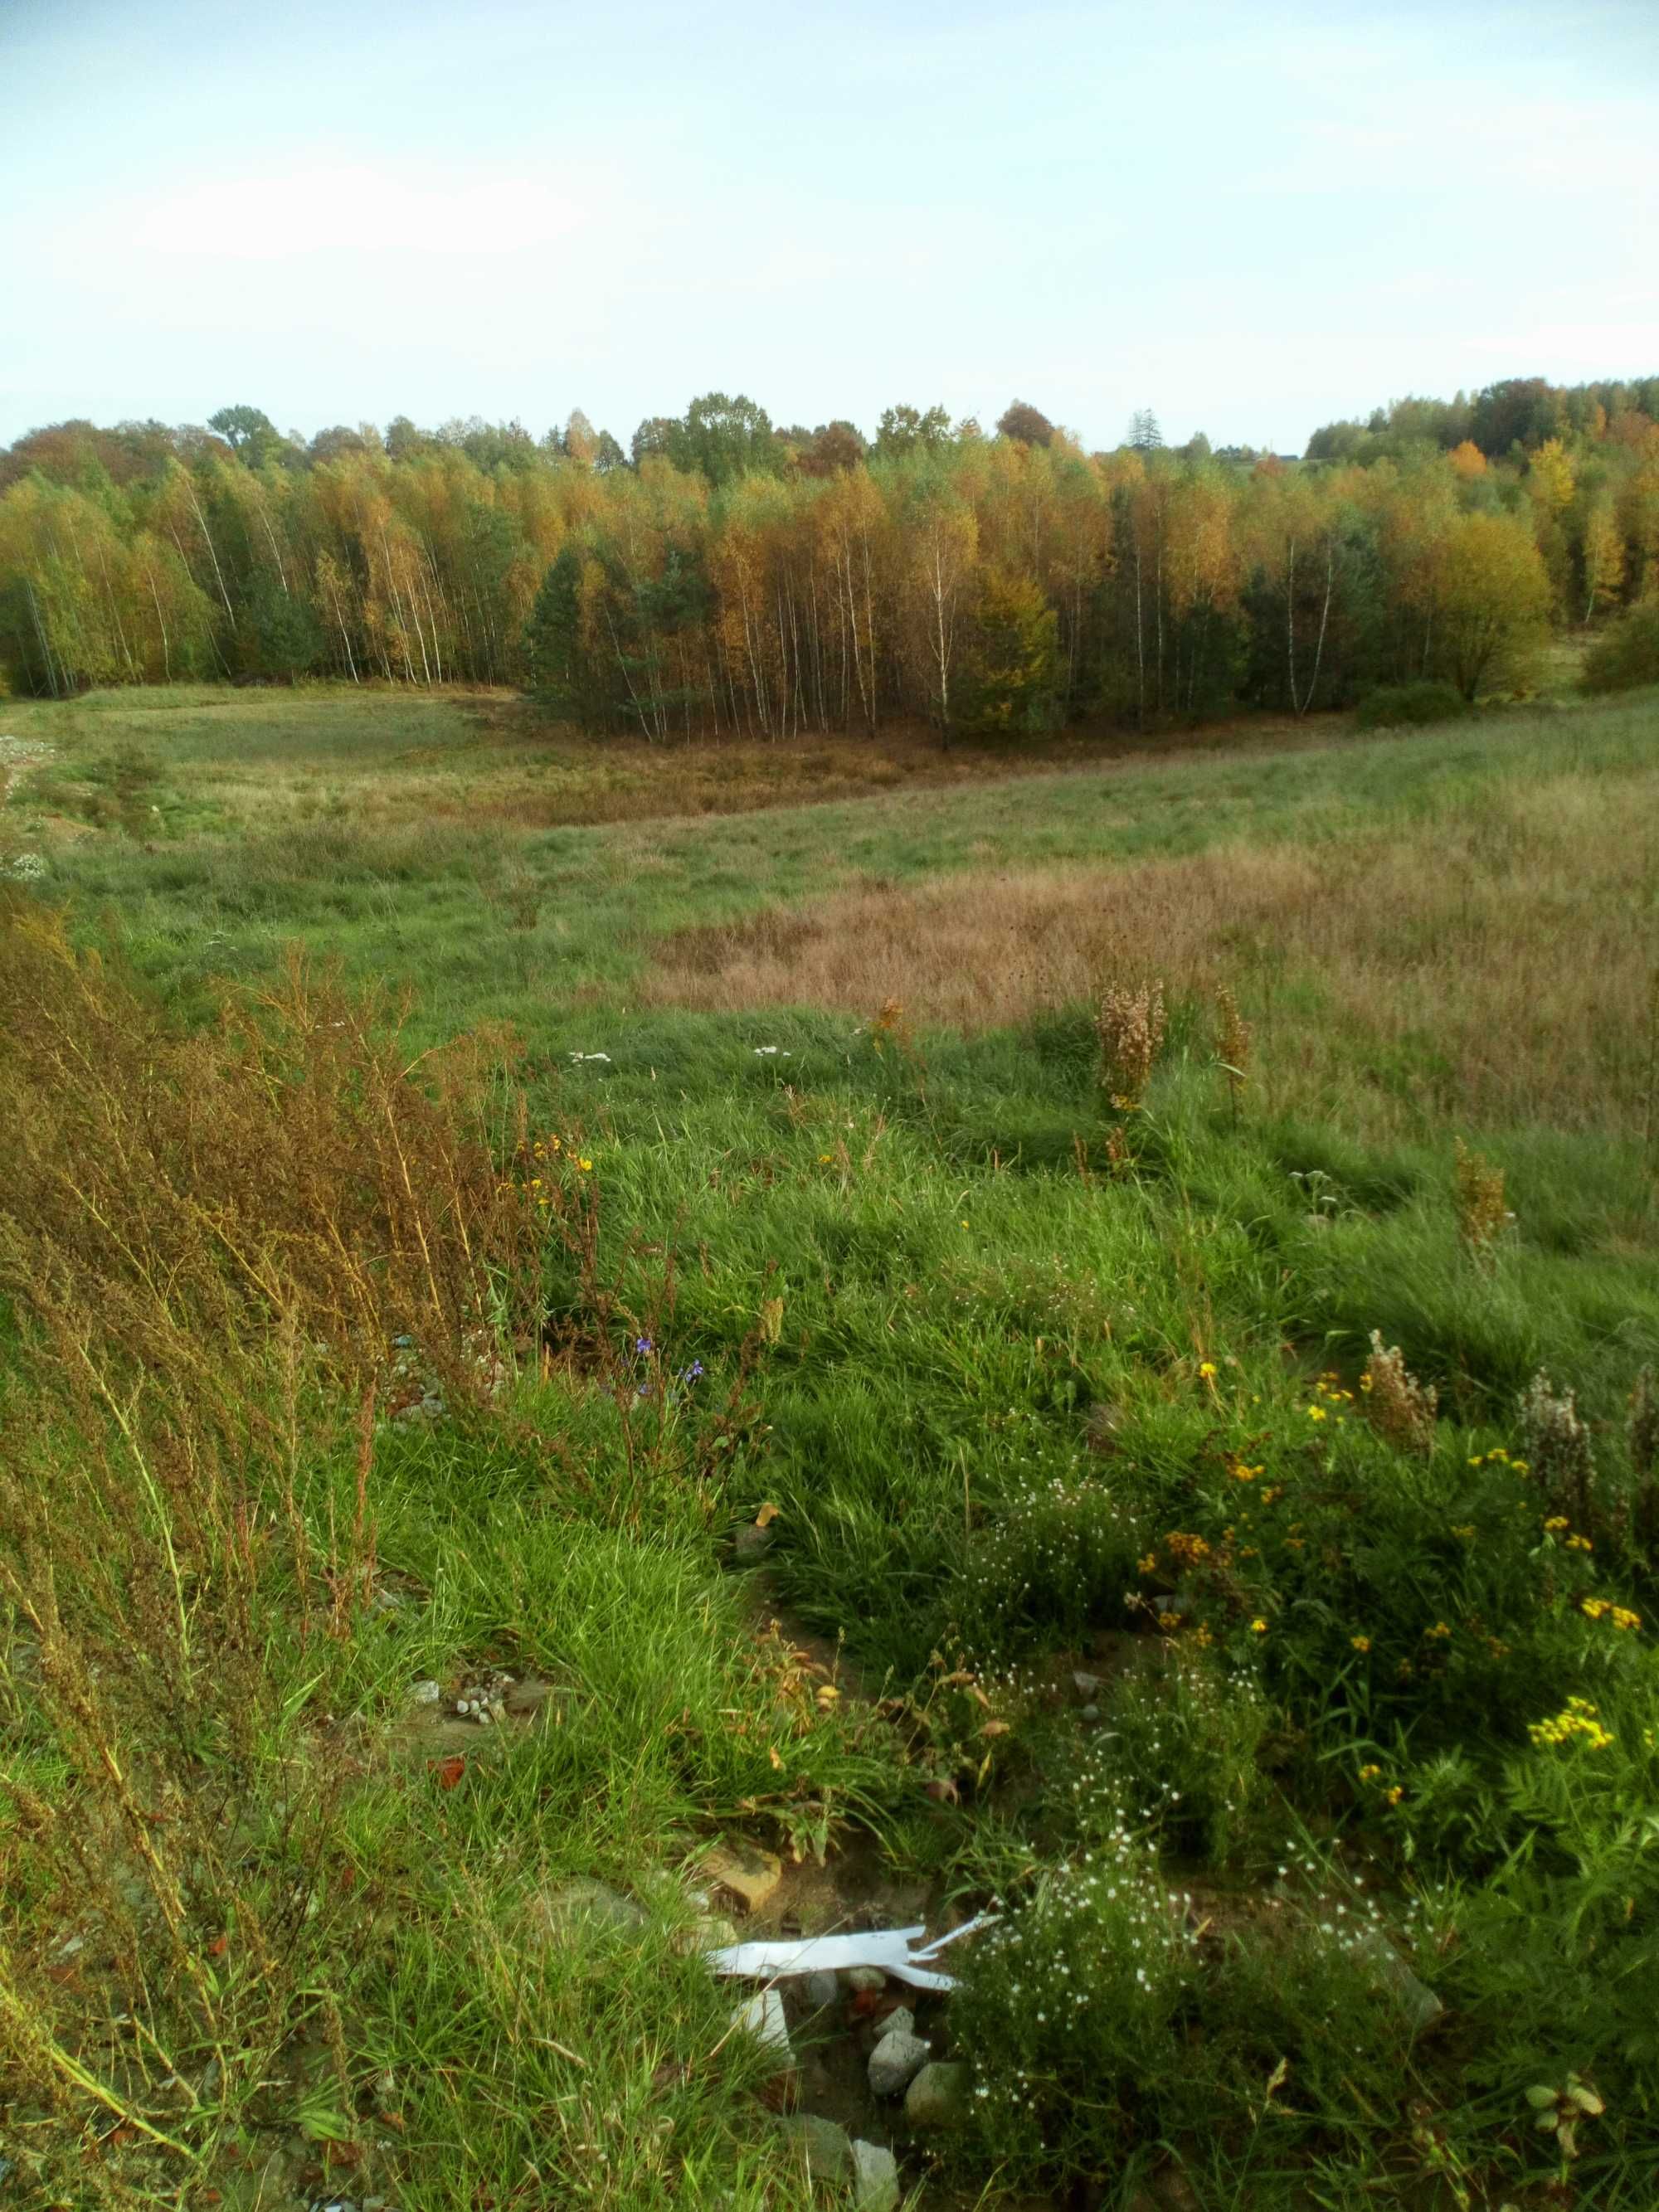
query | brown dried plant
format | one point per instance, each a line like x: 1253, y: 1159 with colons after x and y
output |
x: 1478, y: 1194
x: 1557, y: 1445
x: 1642, y: 1436
x: 1129, y: 1026
x: 1398, y: 1406
x: 1232, y: 1045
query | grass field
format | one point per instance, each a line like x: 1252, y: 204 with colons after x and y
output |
x: 843, y: 1338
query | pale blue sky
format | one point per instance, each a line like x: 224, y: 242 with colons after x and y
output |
x: 1250, y: 217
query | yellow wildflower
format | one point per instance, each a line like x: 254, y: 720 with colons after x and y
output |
x: 1360, y: 1642
x: 1258, y: 1626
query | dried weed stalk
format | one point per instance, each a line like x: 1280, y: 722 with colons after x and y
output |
x: 1129, y: 1026
x: 1398, y: 1406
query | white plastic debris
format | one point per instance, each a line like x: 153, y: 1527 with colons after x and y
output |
x: 894, y: 1950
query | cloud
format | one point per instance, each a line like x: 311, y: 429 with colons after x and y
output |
x: 324, y: 207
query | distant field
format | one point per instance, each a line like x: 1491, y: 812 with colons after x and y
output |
x: 855, y: 1277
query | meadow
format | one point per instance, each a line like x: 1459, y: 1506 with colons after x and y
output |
x: 1058, y: 1332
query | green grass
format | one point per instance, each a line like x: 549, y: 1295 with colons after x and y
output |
x: 985, y: 1370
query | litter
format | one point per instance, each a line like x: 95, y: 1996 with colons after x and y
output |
x: 894, y: 1950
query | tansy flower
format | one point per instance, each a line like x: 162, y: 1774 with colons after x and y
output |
x: 1393, y: 1796
x: 1360, y: 1642
x: 1258, y: 1626
x: 1206, y: 1369
x: 1369, y: 1773
x: 1557, y: 1521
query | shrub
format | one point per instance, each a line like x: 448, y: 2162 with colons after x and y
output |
x: 1052, y: 1564
x: 1180, y: 1740
x: 1065, y: 2008
x: 1410, y: 706
x: 1627, y: 654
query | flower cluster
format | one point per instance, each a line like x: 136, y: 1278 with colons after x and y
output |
x: 1576, y: 1722
x: 1601, y: 1608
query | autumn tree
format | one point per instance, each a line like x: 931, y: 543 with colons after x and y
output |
x: 1024, y: 424
x: 1492, y: 597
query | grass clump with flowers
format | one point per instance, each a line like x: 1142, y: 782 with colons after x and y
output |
x: 1199, y: 1441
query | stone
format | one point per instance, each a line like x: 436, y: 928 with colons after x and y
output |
x: 866, y: 1981
x: 750, y: 1873
x: 895, y: 2061
x: 938, y: 2096
x: 1085, y: 1684
x: 426, y: 1693
x: 900, y: 2021
x: 583, y: 1904
x: 826, y: 2148
x: 762, y: 2016
x: 1091, y: 1712
x: 1418, y: 2002
x: 875, y: 2178
x: 821, y: 1989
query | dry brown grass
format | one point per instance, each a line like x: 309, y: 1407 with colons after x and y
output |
x: 207, y: 1245
x: 1495, y: 964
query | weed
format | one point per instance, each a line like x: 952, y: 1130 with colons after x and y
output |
x: 1398, y: 1406
x: 1129, y: 1026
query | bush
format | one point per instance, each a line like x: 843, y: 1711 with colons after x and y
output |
x: 1627, y: 654
x: 1410, y: 706
x: 1065, y: 2008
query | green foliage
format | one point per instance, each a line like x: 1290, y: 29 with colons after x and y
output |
x: 1626, y: 654
x: 281, y: 636
x: 1411, y: 705
x: 1012, y: 687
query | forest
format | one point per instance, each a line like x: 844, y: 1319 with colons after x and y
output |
x: 727, y: 576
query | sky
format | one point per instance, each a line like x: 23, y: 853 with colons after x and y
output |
x: 1252, y: 218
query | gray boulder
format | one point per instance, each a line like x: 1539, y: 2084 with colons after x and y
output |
x: 938, y: 2096
x: 895, y: 2061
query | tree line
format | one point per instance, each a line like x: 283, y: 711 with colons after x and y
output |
x: 724, y: 574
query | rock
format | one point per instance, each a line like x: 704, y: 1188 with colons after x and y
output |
x: 895, y: 2061
x: 875, y: 2178
x: 900, y: 2021
x: 1419, y: 2003
x: 821, y: 1989
x: 1084, y: 1685
x: 938, y: 2096
x: 751, y: 1544
x: 583, y: 1906
x: 1174, y: 2192
x: 866, y: 1981
x: 762, y: 2016
x: 750, y: 1873
x: 825, y: 2148
x: 1091, y: 1712
x: 426, y: 1693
